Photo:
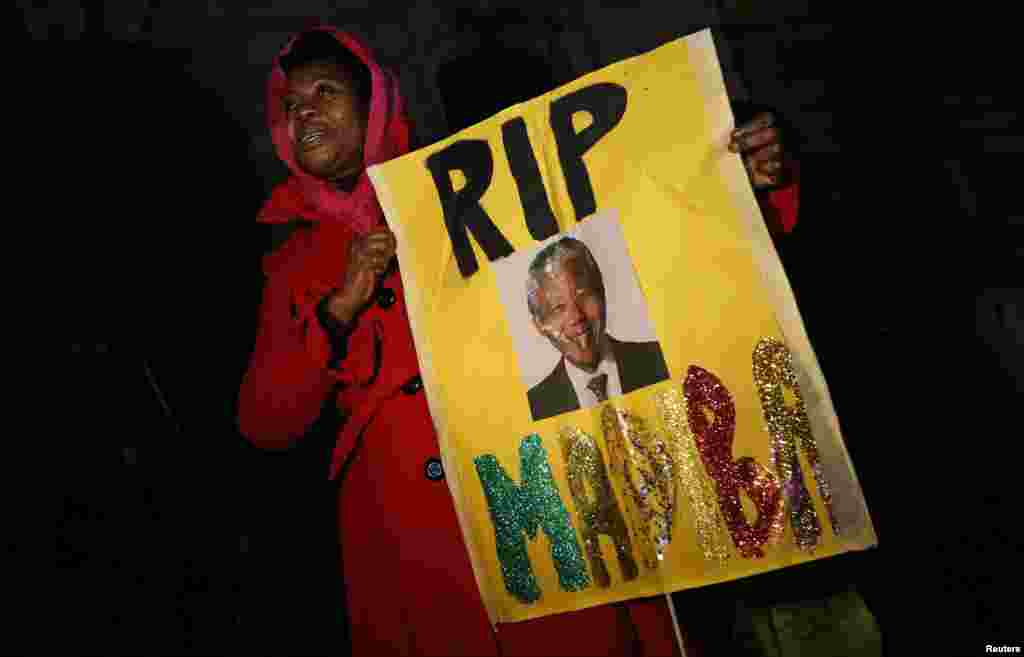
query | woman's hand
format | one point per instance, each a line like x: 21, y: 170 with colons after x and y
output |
x: 369, y: 256
x: 760, y: 145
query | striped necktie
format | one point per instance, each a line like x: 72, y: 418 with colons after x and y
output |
x: 599, y: 386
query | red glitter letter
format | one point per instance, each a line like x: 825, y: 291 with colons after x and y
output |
x: 704, y: 392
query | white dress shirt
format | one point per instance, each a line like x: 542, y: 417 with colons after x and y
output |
x: 581, y: 378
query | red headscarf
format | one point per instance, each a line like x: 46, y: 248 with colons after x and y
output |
x: 387, y: 136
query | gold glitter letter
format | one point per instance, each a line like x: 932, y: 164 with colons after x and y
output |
x: 598, y: 512
x: 641, y: 460
x: 712, y: 537
x: 773, y: 371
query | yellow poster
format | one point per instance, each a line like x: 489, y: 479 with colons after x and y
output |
x: 624, y: 393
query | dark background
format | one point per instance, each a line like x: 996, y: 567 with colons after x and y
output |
x: 145, y: 158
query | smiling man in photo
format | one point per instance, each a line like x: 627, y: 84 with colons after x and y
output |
x: 565, y: 293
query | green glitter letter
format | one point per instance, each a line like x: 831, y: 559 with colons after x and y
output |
x: 518, y: 510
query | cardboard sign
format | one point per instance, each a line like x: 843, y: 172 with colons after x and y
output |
x: 625, y: 396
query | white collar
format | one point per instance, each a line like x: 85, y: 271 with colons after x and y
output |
x: 580, y: 378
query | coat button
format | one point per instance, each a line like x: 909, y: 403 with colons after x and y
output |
x: 413, y: 385
x: 433, y: 469
x: 386, y: 297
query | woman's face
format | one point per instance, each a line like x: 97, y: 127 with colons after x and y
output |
x: 326, y: 121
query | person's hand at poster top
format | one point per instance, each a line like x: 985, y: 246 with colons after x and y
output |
x: 760, y: 144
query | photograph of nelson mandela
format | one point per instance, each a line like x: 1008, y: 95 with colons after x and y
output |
x: 565, y: 294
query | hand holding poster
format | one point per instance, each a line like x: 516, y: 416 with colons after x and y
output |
x: 624, y: 392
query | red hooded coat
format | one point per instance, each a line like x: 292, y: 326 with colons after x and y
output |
x: 410, y: 586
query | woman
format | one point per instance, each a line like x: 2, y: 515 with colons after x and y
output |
x: 334, y: 330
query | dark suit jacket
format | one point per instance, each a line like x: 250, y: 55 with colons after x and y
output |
x: 640, y: 364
